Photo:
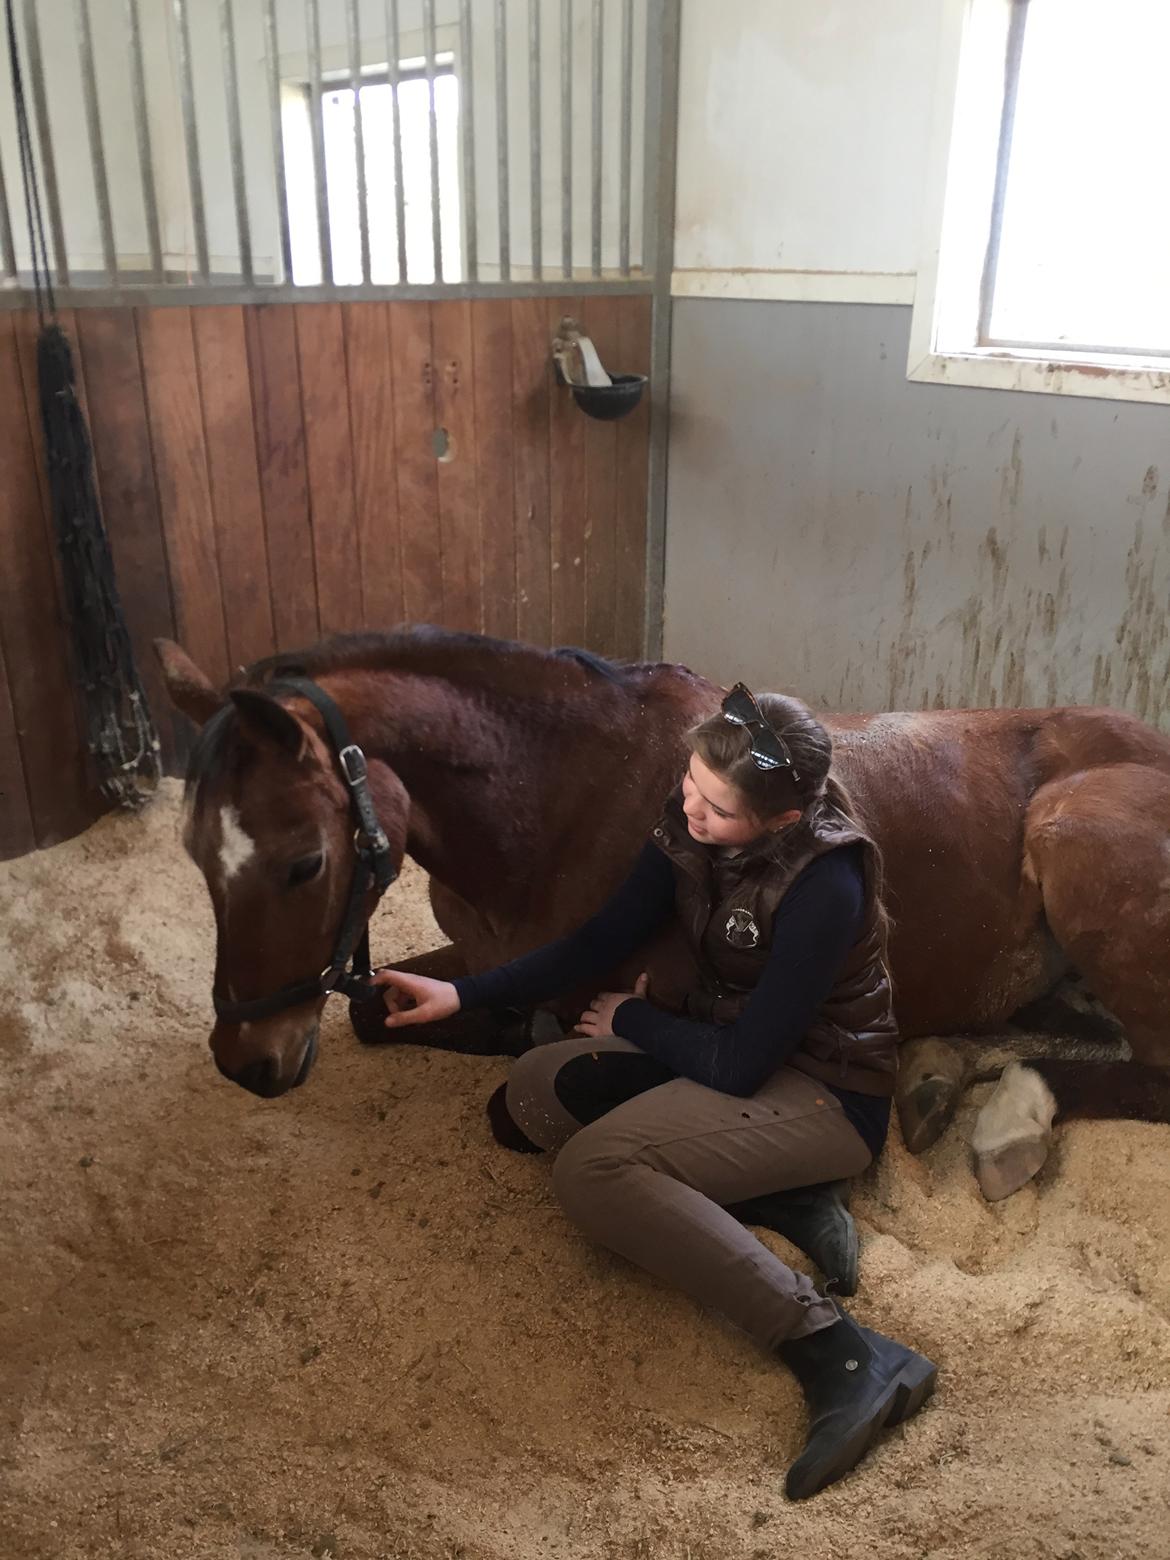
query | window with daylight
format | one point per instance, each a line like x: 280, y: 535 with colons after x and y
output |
x: 376, y: 95
x: 1051, y: 269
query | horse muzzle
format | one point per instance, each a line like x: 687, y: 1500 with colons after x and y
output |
x: 267, y: 1076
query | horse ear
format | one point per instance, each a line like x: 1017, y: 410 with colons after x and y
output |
x: 263, y: 717
x: 189, y: 689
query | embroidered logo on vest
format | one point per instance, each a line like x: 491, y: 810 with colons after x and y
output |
x: 741, y: 929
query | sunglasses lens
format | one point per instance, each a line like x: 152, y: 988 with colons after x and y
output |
x: 768, y: 750
x: 740, y: 708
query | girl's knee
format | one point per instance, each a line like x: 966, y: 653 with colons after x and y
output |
x: 584, y: 1174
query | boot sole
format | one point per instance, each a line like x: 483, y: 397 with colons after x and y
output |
x: 902, y: 1397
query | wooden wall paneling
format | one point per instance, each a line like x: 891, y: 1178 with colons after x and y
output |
x: 60, y: 798
x: 633, y: 483
x: 491, y: 328
x: 456, y: 472
x: 17, y: 834
x: 107, y: 341
x: 175, y: 416
x: 566, y: 454
x: 414, y: 457
x: 371, y: 418
x: 271, y: 332
x: 329, y: 456
x: 531, y: 387
x: 601, y: 324
x: 225, y: 391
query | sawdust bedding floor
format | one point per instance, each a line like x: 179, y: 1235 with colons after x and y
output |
x: 346, y: 1323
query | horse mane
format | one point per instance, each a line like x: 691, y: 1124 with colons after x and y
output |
x: 464, y: 660
x: 210, y: 748
x: 456, y: 657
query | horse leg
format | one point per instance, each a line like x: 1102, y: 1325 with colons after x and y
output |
x: 1096, y: 844
x: 932, y: 1075
x: 478, y: 1033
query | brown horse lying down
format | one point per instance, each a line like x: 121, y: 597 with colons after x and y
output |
x: 1021, y: 846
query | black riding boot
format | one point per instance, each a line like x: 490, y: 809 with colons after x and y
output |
x: 815, y: 1219
x: 856, y: 1383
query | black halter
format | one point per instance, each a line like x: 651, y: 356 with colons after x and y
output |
x: 374, y: 868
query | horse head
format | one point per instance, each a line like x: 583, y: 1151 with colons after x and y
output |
x: 269, y: 824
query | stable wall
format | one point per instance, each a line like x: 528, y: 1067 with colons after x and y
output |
x: 270, y: 474
x: 831, y: 528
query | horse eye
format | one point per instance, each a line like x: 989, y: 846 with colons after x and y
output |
x: 304, y: 870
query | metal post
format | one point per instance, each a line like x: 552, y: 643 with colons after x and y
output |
x: 567, y: 138
x: 231, y: 88
x: 191, y: 139
x: 662, y: 56
x: 7, y: 247
x: 627, y: 133
x: 502, y: 140
x: 1013, y: 55
x: 36, y: 71
x: 598, y: 68
x: 436, y: 214
x: 467, y: 139
x: 272, y: 49
x: 93, y: 124
x: 353, y: 27
x: 317, y: 122
x: 142, y: 135
x: 393, y: 57
x: 534, y: 127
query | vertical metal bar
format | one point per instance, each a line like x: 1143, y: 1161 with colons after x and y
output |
x: 502, y: 140
x: 393, y: 57
x: 36, y: 71
x: 7, y: 247
x: 598, y: 67
x: 436, y: 214
x: 191, y: 139
x: 272, y: 49
x: 353, y: 27
x: 534, y: 129
x: 93, y: 124
x: 1013, y: 54
x: 661, y: 140
x: 567, y: 138
x: 317, y: 122
x: 231, y: 88
x: 467, y: 137
x: 142, y: 135
x: 627, y: 132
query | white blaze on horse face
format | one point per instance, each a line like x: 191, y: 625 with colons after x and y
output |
x: 236, y: 848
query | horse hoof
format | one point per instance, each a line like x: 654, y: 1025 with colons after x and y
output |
x: 367, y: 1015
x: 932, y: 1076
x: 1013, y: 1132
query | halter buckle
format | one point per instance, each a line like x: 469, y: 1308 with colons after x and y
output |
x: 353, y: 764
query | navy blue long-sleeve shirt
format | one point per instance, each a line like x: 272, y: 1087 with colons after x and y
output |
x: 816, y: 924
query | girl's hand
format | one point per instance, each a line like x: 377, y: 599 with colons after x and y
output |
x: 597, y: 1019
x: 416, y: 999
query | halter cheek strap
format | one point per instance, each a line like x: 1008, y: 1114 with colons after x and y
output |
x: 374, y: 868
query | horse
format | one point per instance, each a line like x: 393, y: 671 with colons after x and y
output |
x: 1023, y: 848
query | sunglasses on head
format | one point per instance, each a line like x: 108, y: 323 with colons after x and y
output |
x: 768, y: 749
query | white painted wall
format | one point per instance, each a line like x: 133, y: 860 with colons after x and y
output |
x: 71, y: 145
x: 803, y: 129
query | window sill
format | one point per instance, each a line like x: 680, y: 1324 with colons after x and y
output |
x: 999, y: 369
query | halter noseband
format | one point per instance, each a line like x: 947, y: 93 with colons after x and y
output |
x: 374, y: 868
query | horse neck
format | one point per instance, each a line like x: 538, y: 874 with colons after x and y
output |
x: 483, y: 772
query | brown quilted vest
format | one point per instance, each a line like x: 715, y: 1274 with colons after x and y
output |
x: 725, y: 906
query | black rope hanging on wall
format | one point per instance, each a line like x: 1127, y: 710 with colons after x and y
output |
x: 119, y: 730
